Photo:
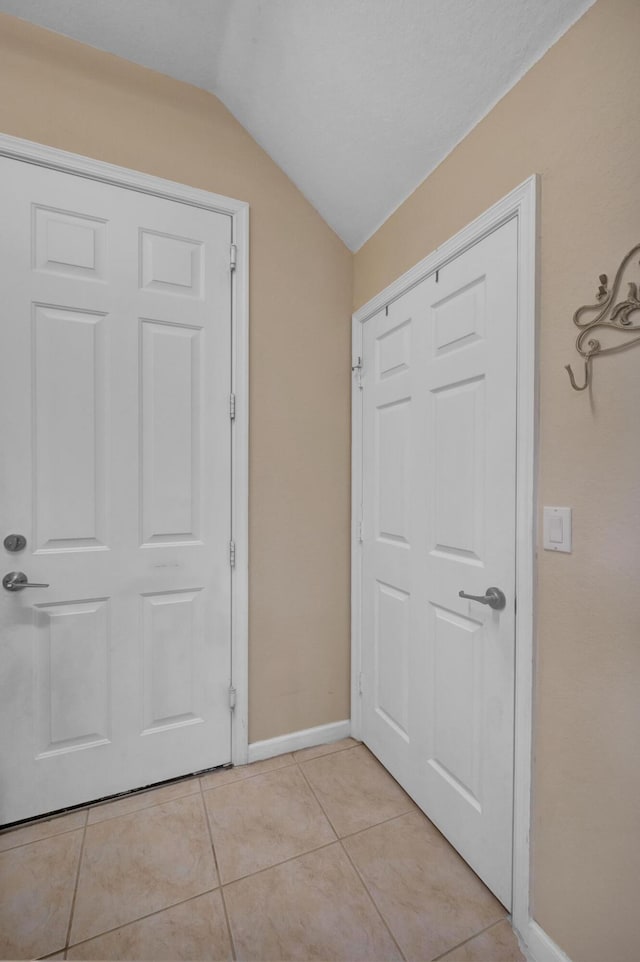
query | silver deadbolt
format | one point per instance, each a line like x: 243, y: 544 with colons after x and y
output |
x: 17, y: 580
x: 15, y: 542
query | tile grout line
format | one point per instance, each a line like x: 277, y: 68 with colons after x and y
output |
x: 312, y: 758
x: 95, y: 806
x: 322, y: 809
x: 392, y: 818
x: 243, y: 778
x: 470, y: 939
x: 75, y: 888
x: 373, y: 901
x: 142, y: 918
x: 234, y: 954
x: 359, y: 876
x: 284, y: 861
x: 67, y: 831
x: 142, y: 808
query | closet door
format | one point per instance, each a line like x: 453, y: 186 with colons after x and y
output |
x: 439, y: 457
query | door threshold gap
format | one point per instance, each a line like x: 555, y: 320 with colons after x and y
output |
x: 59, y: 812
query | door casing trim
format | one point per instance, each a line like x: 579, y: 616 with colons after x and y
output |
x: 522, y: 204
x: 61, y: 160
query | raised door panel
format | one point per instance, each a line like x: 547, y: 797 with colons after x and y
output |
x: 391, y: 657
x: 392, y: 471
x: 69, y: 244
x: 455, y: 698
x: 393, y: 350
x: 171, y: 439
x: 171, y: 264
x: 457, y: 464
x: 73, y: 676
x: 173, y: 663
x: 70, y: 411
x: 458, y: 319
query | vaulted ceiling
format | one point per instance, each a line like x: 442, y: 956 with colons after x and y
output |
x: 357, y: 100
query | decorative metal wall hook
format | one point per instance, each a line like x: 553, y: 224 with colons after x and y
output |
x: 587, y: 375
x: 609, y: 315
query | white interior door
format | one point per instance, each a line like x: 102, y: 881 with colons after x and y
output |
x: 439, y: 489
x: 115, y: 432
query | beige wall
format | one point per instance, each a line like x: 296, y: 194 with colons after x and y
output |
x: 59, y: 92
x: 574, y: 119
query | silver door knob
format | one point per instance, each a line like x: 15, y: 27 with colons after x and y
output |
x: 492, y: 597
x: 17, y: 580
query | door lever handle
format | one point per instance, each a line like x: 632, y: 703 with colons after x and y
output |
x: 17, y: 580
x: 492, y: 597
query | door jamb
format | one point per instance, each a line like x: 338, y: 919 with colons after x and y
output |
x: 522, y: 204
x: 33, y: 153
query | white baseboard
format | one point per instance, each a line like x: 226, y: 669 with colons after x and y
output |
x: 294, y: 741
x: 539, y: 947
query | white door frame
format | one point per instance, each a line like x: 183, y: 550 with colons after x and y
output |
x: 33, y: 153
x: 521, y: 204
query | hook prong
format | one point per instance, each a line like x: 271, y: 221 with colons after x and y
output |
x: 587, y: 376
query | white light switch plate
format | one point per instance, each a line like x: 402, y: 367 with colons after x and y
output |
x: 557, y: 529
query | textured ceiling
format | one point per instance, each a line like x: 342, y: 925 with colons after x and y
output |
x: 357, y: 100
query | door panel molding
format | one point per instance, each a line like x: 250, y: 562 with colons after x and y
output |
x: 520, y: 204
x: 41, y: 155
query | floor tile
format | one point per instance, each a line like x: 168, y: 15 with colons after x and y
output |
x: 355, y: 790
x: 429, y: 897
x: 497, y: 944
x: 313, y: 907
x: 140, y: 863
x: 260, y: 821
x: 134, y: 803
x: 193, y: 930
x: 227, y: 775
x: 306, y: 753
x: 36, y: 892
x: 44, y: 829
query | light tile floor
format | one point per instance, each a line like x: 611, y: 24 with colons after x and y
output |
x: 315, y: 855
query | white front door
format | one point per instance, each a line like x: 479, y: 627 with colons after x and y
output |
x: 439, y: 487
x: 115, y: 451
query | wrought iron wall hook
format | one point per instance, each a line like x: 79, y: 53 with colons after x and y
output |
x: 609, y: 315
x: 587, y: 376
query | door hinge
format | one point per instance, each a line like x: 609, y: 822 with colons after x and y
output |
x: 232, y: 697
x: 232, y: 407
x: 233, y: 257
x: 232, y: 554
x: 359, y: 538
x: 356, y: 369
x: 359, y: 682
